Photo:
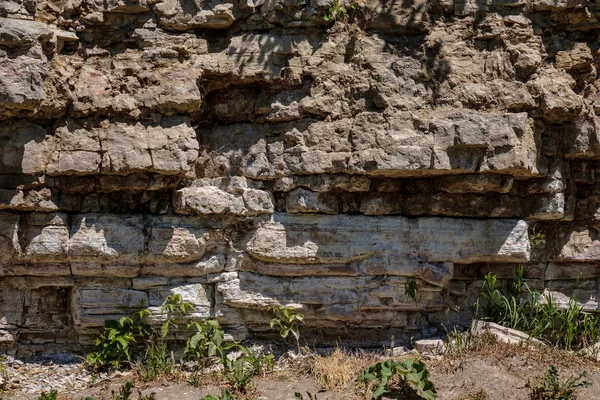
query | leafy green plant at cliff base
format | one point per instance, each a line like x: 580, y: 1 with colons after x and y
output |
x: 413, y: 374
x: 126, y: 390
x: 239, y: 364
x: 241, y: 369
x: 521, y: 308
x: 206, y: 340
x: 157, y: 360
x: 174, y: 306
x: 287, y: 320
x: 114, y: 345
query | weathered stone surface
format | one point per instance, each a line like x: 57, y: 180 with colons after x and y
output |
x: 246, y: 154
x: 25, y: 148
x: 574, y: 243
x: 393, y: 245
x: 168, y: 148
x: 305, y: 201
x: 324, y: 183
x: 108, y: 237
x: 251, y: 290
x: 225, y: 197
x: 176, y: 239
x: 396, y: 146
x: 186, y: 15
x: 22, y: 83
x: 559, y: 103
x: 430, y: 346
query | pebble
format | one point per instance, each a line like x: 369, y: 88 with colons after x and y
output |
x: 64, y: 373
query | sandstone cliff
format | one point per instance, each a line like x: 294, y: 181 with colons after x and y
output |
x: 250, y: 153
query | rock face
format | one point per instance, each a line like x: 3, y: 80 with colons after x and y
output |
x: 248, y: 154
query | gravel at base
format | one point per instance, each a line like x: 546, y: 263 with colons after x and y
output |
x: 62, y: 372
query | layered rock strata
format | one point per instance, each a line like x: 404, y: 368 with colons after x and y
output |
x: 248, y: 154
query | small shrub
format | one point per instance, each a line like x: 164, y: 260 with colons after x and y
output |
x: 207, y: 343
x: 287, y: 320
x: 48, y: 396
x: 114, y: 345
x: 550, y: 387
x: 413, y: 374
x: 174, y: 306
x: 239, y: 371
x: 157, y: 359
x: 206, y: 340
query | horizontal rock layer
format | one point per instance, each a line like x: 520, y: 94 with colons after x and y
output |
x: 248, y: 154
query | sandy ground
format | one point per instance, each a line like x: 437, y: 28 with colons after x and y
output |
x: 497, y: 371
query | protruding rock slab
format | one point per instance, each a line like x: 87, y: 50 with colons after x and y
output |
x: 502, y: 333
x: 289, y: 238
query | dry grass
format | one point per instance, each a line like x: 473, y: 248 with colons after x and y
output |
x: 338, y: 370
x: 487, y: 347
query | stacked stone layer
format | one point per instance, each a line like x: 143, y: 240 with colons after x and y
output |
x: 248, y: 154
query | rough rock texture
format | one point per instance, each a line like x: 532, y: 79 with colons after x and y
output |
x: 251, y: 153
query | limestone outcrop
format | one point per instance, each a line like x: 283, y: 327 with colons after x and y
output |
x: 252, y: 153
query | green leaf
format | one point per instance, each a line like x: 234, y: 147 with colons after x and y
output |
x: 164, y: 330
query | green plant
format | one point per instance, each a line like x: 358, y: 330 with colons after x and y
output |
x: 48, y: 396
x: 411, y: 289
x: 113, y: 346
x: 206, y: 340
x: 157, y: 361
x: 537, y: 240
x: 225, y: 395
x: 126, y: 390
x: 519, y: 307
x: 174, y: 306
x: 413, y: 374
x: 550, y: 387
x: 239, y: 371
x: 311, y: 396
x: 335, y: 12
x: 287, y: 320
